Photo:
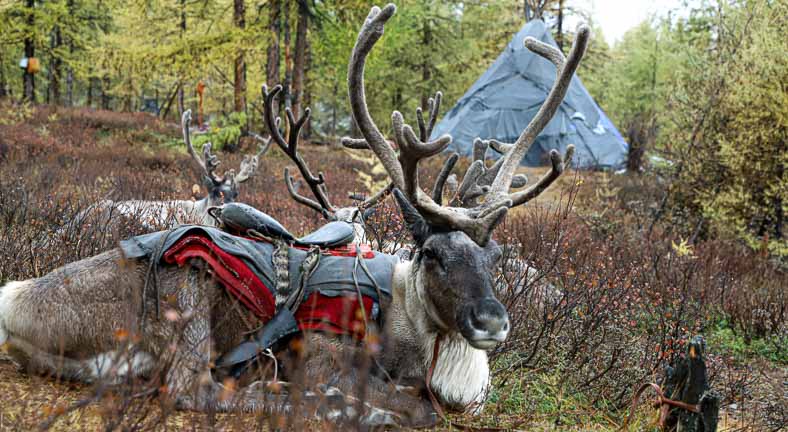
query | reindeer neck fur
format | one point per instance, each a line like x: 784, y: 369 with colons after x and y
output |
x: 462, y: 372
x: 198, y: 210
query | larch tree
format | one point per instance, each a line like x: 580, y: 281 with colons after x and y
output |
x: 299, y: 61
x: 239, y: 87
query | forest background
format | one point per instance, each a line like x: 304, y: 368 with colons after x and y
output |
x: 726, y: 165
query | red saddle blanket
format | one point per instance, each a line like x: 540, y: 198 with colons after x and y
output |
x: 340, y: 315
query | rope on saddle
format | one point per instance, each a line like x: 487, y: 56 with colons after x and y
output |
x: 428, y: 379
x: 281, y: 262
x: 358, y: 289
x: 308, y: 267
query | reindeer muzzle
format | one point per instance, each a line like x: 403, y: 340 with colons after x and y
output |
x: 485, y: 323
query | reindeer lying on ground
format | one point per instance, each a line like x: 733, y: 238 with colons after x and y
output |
x: 440, y: 318
x: 166, y: 214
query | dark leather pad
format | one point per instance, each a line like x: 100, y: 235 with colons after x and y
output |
x: 282, y: 325
x: 329, y: 235
x: 242, y: 217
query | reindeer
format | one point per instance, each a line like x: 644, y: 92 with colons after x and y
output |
x: 167, y: 214
x: 441, y: 317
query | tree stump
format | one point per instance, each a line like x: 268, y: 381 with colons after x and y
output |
x: 686, y: 381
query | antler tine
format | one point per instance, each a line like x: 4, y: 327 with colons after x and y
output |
x: 433, y: 108
x: 263, y: 144
x: 480, y: 147
x: 518, y: 181
x: 250, y: 162
x: 290, y: 148
x: 558, y: 167
x: 470, y: 187
x: 355, y: 143
x: 302, y: 199
x: 370, y: 33
x: 186, y: 121
x: 375, y: 198
x: 443, y: 175
x: 210, y: 160
x: 500, y: 147
x: 271, y: 119
x: 565, y: 69
x: 412, y: 151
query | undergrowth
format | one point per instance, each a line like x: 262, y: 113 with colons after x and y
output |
x: 600, y: 298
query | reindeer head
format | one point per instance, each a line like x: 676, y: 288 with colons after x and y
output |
x: 221, y: 189
x: 455, y: 255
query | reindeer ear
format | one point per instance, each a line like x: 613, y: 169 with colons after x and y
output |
x: 417, y: 225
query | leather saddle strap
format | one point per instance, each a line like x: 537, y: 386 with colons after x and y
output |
x: 428, y: 380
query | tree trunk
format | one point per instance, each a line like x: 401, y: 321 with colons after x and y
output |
x: 70, y: 87
x: 239, y: 88
x: 181, y: 102
x: 91, y: 86
x: 559, y: 36
x: 70, y: 70
x: 426, y: 71
x: 334, y: 139
x: 306, y: 132
x: 299, y: 62
x: 28, y: 79
x: 3, y: 84
x: 105, y: 99
x: 272, y: 63
x: 286, y: 100
x: 55, y: 68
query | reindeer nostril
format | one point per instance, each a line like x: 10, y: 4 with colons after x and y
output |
x: 490, y: 316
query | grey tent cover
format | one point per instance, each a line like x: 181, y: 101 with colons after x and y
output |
x: 500, y: 104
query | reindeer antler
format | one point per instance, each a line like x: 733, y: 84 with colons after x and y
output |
x: 478, y: 178
x: 565, y: 69
x: 477, y: 221
x: 208, y: 163
x: 290, y: 147
x: 250, y: 162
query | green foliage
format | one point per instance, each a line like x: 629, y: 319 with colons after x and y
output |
x: 753, y: 147
x: 225, y: 132
x: 726, y: 342
x: 730, y: 125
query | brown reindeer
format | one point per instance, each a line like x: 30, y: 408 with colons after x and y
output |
x: 440, y: 318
